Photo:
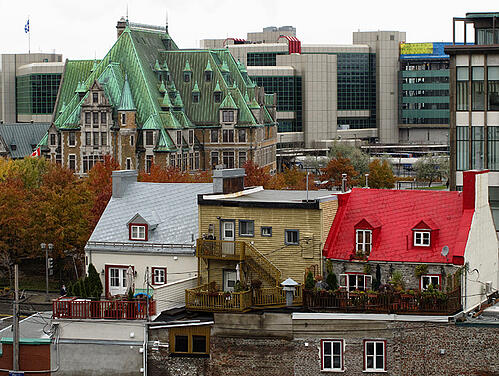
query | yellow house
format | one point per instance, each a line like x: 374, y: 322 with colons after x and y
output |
x: 256, y: 237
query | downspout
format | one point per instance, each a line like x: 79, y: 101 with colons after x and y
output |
x: 144, y: 357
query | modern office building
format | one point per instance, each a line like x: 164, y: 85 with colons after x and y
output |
x: 28, y: 86
x: 424, y: 93
x: 474, y: 102
x: 325, y: 92
x: 147, y: 101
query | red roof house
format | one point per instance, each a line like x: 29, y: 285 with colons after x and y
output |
x: 398, y: 227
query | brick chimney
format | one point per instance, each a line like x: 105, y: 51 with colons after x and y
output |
x: 228, y: 180
x: 120, y: 26
x: 121, y: 180
x: 475, y: 189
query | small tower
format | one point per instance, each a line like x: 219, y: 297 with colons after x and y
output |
x: 127, y: 139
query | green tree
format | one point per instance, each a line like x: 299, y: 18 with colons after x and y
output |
x: 381, y: 174
x: 358, y: 159
x: 94, y: 282
x: 431, y: 168
x: 309, y: 281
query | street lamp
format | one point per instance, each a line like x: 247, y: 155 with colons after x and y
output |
x: 46, y: 248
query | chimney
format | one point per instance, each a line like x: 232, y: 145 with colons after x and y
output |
x: 228, y: 180
x: 343, y: 183
x: 120, y: 26
x: 475, y: 189
x: 121, y: 180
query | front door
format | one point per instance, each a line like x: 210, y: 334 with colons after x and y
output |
x: 117, y: 280
x: 228, y: 236
x: 229, y: 280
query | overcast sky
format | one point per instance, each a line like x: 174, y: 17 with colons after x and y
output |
x: 84, y: 29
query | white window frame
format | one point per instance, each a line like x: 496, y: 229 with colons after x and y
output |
x: 156, y: 277
x: 364, y: 246
x: 430, y: 278
x: 374, y: 356
x: 332, y: 355
x: 73, y: 134
x: 138, y: 232
x: 422, y: 238
x: 361, y: 280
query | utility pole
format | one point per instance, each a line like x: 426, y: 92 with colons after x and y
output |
x: 15, y: 325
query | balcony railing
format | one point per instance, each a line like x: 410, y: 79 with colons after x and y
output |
x: 74, y: 308
x: 202, y: 299
x: 220, y: 249
x: 344, y: 301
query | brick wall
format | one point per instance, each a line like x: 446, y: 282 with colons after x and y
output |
x: 412, y: 348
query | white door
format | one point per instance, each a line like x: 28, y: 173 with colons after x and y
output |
x: 228, y: 236
x: 117, y: 281
x: 229, y: 280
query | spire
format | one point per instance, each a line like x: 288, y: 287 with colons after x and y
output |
x: 166, y: 101
x: 246, y: 97
x: 187, y: 67
x: 63, y: 107
x: 217, y: 87
x: 162, y: 88
x: 208, y: 67
x: 178, y: 101
x: 196, y: 87
x: 228, y: 102
x: 165, y: 67
x: 94, y: 66
x: 241, y: 67
x: 126, y: 101
x: 156, y: 66
x: 225, y: 67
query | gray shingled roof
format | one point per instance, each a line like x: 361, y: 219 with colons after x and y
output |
x: 286, y: 196
x: 24, y: 136
x: 171, y: 206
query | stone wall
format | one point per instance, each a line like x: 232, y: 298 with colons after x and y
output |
x: 412, y: 348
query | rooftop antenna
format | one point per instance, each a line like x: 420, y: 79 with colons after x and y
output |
x: 127, y: 13
x: 166, y: 20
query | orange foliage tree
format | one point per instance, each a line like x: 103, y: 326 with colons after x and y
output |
x: 334, y: 170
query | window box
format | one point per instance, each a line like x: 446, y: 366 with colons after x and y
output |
x: 246, y: 228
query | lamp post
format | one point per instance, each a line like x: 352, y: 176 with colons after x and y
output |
x: 47, y: 248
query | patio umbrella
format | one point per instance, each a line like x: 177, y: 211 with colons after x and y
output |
x: 130, y: 280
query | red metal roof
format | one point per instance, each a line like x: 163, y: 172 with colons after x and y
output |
x: 294, y: 44
x: 392, y: 215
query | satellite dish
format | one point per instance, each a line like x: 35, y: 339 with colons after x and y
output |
x: 445, y: 251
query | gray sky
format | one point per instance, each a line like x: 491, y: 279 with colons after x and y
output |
x: 84, y: 29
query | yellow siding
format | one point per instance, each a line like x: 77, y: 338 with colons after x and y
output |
x: 329, y: 209
x: 290, y: 259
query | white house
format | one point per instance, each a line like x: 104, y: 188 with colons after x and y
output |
x: 148, y: 226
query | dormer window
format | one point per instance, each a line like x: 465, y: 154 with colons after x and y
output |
x: 363, y: 241
x: 95, y: 97
x: 195, y: 97
x: 228, y: 116
x: 422, y: 238
x: 187, y: 76
x: 208, y: 75
x: 138, y: 232
x: 217, y: 96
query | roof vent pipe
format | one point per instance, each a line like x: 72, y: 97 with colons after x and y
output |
x: 367, y: 180
x: 343, y: 182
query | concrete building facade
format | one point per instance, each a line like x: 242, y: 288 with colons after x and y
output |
x: 325, y: 92
x: 28, y: 86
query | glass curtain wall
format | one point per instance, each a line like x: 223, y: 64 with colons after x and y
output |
x: 462, y: 149
x: 477, y: 148
x: 477, y: 89
x: 493, y: 86
x: 493, y: 146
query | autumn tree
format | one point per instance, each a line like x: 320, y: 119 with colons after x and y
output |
x: 381, y: 174
x: 169, y: 174
x: 255, y: 175
x: 358, y: 159
x: 100, y: 184
x: 431, y: 168
x: 296, y: 179
x: 335, y: 169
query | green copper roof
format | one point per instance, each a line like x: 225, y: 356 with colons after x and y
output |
x: 126, y: 102
x: 162, y: 88
x: 228, y: 102
x: 63, y: 107
x: 241, y: 67
x: 187, y: 67
x: 178, y: 101
x: 253, y: 104
x: 208, y: 67
x: 157, y: 68
x: 164, y: 143
x: 153, y: 122
x: 217, y: 87
x: 196, y: 87
x: 166, y: 101
x: 94, y: 65
x: 169, y: 120
x: 224, y: 68
x: 165, y: 67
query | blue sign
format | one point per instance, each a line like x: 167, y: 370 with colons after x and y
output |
x: 16, y: 373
